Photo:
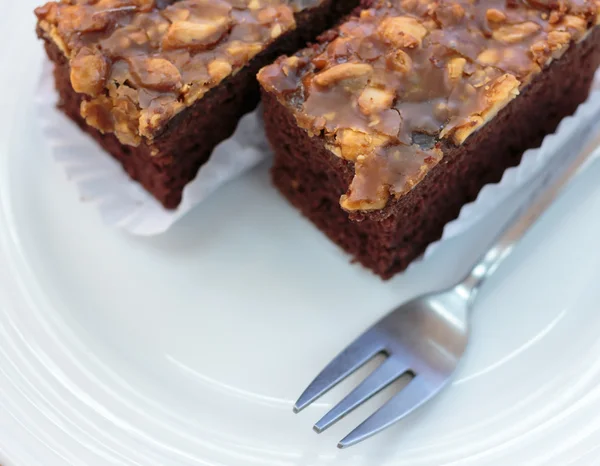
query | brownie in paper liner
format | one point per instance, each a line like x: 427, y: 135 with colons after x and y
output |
x: 122, y: 202
x: 394, y: 120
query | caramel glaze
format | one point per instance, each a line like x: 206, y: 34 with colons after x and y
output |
x: 394, y: 82
x: 141, y: 62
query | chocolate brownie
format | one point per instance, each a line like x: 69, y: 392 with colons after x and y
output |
x: 399, y: 116
x: 159, y: 83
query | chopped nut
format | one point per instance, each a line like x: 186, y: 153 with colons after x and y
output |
x: 489, y: 57
x: 400, y: 61
x: 350, y: 205
x: 89, y: 70
x: 155, y: 73
x: 126, y: 115
x: 185, y: 34
x: 494, y: 15
x: 409, y: 5
x: 48, y: 12
x: 242, y: 52
x: 341, y: 47
x: 355, y: 143
x: 365, y: 14
x: 138, y: 37
x: 344, y: 72
x: 373, y: 100
x: 455, y: 67
x: 458, y: 12
x: 267, y: 15
x: 219, y: 69
x: 177, y: 14
x: 462, y: 132
x: 78, y: 18
x: 540, y: 51
x: 402, y: 31
x: 144, y: 5
x: 289, y: 64
x: 504, y: 89
x: 195, y: 92
x: 162, y: 28
x: 576, y: 23
x: 558, y: 39
x: 96, y: 113
x: 276, y: 31
x: 430, y: 24
x: 334, y: 149
x: 254, y: 4
x: 481, y: 77
x: 513, y: 33
x: 555, y: 17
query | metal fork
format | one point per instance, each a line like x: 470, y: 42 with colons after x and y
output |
x: 426, y: 337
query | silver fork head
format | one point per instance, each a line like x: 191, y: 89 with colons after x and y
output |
x: 425, y: 337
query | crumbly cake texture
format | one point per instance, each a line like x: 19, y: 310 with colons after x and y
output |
x: 159, y: 83
x: 384, y: 129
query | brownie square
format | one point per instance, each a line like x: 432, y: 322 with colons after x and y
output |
x: 379, y: 157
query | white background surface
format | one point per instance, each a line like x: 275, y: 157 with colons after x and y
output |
x: 190, y: 348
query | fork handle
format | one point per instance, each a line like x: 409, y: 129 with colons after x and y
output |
x: 549, y: 184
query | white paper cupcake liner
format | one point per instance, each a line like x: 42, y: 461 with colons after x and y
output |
x: 124, y: 204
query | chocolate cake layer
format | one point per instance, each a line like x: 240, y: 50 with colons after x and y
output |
x: 162, y: 134
x: 313, y: 176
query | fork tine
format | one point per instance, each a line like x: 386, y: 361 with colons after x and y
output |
x: 359, y: 352
x: 385, y: 374
x: 406, y: 401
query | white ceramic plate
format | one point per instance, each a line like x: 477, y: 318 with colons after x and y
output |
x: 190, y: 348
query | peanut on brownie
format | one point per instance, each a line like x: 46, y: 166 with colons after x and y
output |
x: 399, y: 116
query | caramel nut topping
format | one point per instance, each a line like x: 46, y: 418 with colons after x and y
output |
x: 394, y: 84
x: 140, y: 62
